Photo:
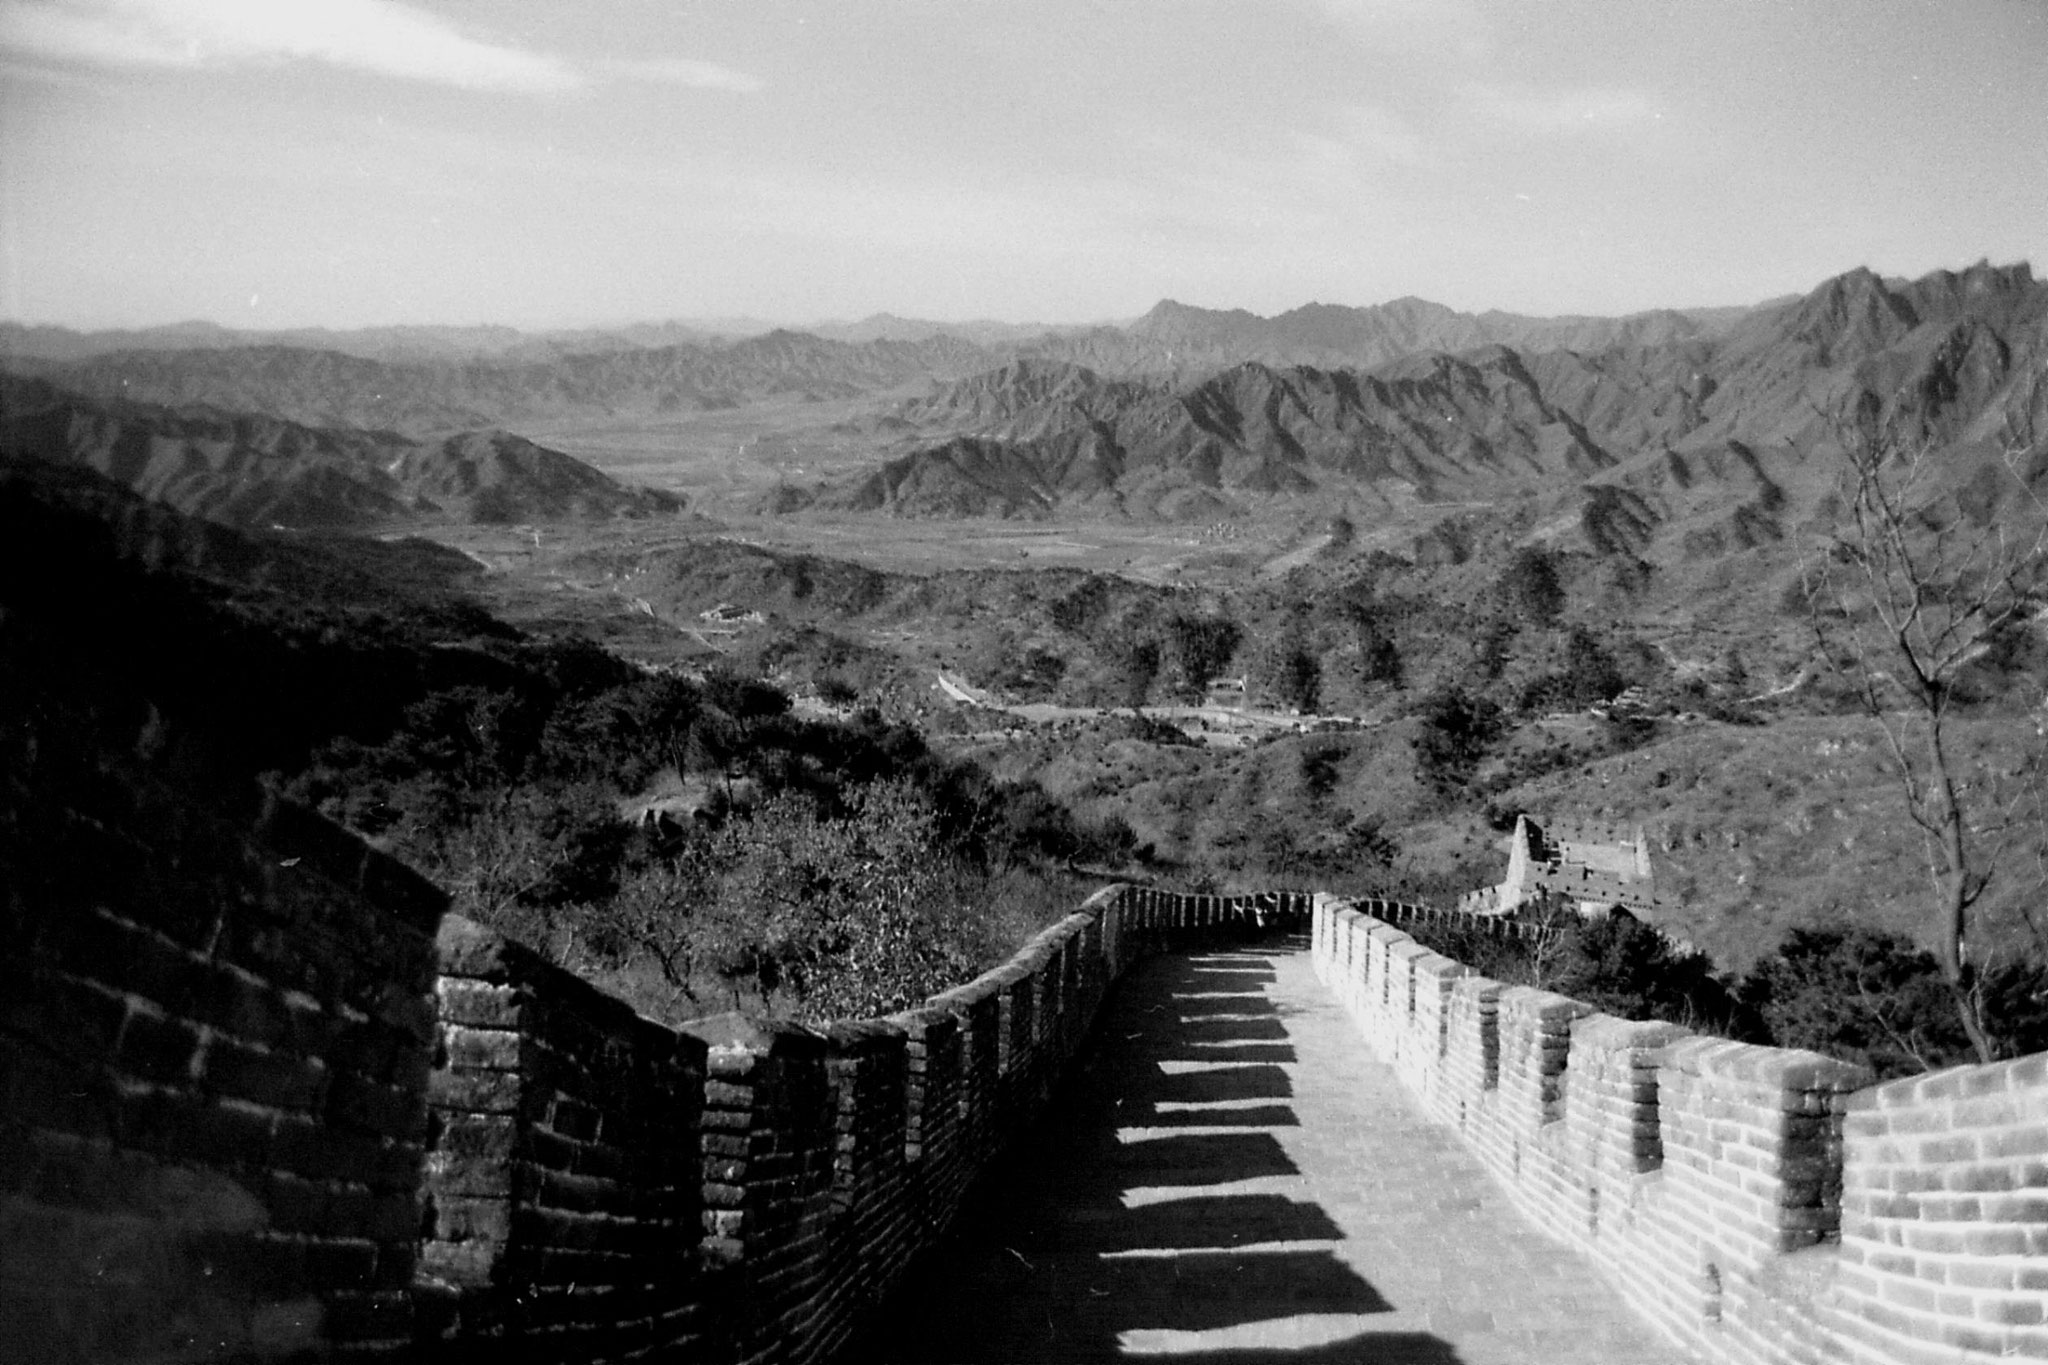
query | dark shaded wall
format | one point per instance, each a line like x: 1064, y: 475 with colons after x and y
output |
x: 217, y: 1023
x: 739, y: 1189
x: 261, y: 1097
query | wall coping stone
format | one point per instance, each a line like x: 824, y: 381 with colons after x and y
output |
x: 923, y: 1017
x: 1955, y: 1082
x: 1547, y: 1006
x: 742, y: 1031
x: 1437, y: 965
x: 1607, y: 1033
x: 865, y: 1035
x: 467, y: 948
x: 1477, y: 987
x: 1778, y: 1068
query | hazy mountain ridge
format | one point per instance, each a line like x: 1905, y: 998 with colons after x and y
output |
x: 1183, y: 341
x: 402, y: 344
x: 330, y: 389
x: 253, y: 470
x: 420, y: 343
x: 1649, y: 430
x: 1681, y: 432
x: 423, y: 378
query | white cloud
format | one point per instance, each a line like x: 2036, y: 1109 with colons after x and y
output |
x: 367, y: 35
x: 684, y: 72
x: 1598, y: 109
x: 379, y: 36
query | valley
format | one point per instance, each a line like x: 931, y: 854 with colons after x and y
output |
x: 1203, y: 573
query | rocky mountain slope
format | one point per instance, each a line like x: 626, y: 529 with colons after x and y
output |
x: 261, y: 471
x: 1038, y: 437
x: 1662, y: 435
x: 1689, y: 447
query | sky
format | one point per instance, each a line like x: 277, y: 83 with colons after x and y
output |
x: 346, y: 163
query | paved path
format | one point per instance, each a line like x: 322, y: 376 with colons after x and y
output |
x: 1233, y: 1178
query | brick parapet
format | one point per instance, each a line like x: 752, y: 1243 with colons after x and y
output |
x: 558, y: 1199
x: 1944, y: 1237
x: 215, y: 1029
x: 332, y: 1120
x: 1761, y: 1204
x: 261, y: 1098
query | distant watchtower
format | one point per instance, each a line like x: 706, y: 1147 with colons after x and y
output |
x: 1595, y: 866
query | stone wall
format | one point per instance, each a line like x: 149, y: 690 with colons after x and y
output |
x: 216, y: 1028
x: 1762, y: 1204
x: 262, y: 1097
x: 562, y: 1208
x: 1470, y: 914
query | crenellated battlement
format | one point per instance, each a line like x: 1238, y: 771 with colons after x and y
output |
x: 264, y: 1098
x: 1762, y: 1204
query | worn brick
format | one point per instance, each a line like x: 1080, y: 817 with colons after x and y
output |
x: 272, y: 1079
x: 159, y: 1048
x: 480, y: 1049
x: 381, y: 1109
x: 490, y: 1092
x: 190, y: 1126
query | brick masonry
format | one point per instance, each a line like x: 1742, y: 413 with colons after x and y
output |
x: 216, y: 1031
x: 1760, y: 1204
x: 264, y: 1099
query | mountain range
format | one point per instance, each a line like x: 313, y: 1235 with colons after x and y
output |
x: 252, y: 470
x: 443, y: 378
x: 1702, y: 435
x: 329, y: 388
x: 1684, y: 431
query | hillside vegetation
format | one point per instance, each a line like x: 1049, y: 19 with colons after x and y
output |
x: 1320, y: 599
x: 828, y: 867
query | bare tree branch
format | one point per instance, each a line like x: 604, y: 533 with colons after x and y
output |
x: 1906, y: 597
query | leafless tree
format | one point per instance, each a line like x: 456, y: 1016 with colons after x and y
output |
x: 1906, y: 596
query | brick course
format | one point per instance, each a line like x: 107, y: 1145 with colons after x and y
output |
x: 1761, y: 1204
x: 261, y: 1097
x: 215, y: 1030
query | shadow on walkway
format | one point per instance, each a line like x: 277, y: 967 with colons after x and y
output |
x: 1112, y: 1232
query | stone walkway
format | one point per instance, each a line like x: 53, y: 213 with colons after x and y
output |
x: 1232, y: 1177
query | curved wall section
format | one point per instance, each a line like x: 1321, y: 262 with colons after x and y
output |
x: 262, y: 1098
x: 1762, y: 1204
x: 740, y: 1190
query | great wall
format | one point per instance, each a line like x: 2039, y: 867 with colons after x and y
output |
x: 264, y: 1098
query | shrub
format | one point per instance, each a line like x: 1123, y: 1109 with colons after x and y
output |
x: 1199, y: 647
x: 1529, y: 585
x: 1859, y: 994
x: 1624, y: 967
x: 814, y: 915
x: 1456, y: 732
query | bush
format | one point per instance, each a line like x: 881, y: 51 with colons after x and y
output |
x: 1199, y: 647
x: 1456, y: 732
x: 1286, y: 671
x: 1858, y: 994
x: 1879, y: 999
x: 1590, y: 676
x: 1530, y: 587
x: 815, y: 916
x: 1624, y: 967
